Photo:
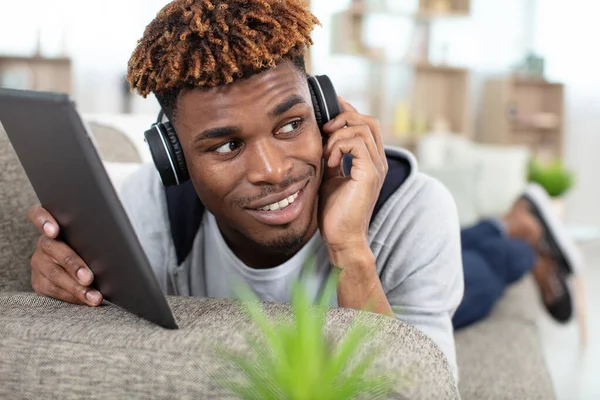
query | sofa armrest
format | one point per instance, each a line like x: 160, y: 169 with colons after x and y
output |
x: 96, y: 353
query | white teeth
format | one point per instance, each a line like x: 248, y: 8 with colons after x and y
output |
x: 280, y: 205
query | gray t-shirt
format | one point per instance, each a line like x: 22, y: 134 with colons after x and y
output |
x: 224, y: 269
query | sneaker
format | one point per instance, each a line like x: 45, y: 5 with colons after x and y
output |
x: 557, y: 241
x: 554, y: 289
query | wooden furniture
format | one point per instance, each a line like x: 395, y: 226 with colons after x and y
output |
x: 524, y: 111
x: 36, y: 73
x: 307, y: 56
x: 445, y: 6
x: 442, y: 93
x: 437, y: 95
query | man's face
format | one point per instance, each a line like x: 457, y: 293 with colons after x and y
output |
x: 253, y: 149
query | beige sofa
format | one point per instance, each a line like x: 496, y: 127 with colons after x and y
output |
x: 55, y: 350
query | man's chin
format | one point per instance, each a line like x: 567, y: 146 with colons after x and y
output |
x: 288, y: 243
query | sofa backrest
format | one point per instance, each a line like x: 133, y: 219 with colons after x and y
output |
x: 113, y: 145
x: 17, y: 234
x: 484, y: 179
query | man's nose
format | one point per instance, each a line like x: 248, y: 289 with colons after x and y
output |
x: 268, y: 163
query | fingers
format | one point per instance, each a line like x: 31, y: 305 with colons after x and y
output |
x: 363, y: 132
x: 50, y: 279
x: 350, y: 117
x: 43, y: 221
x: 64, y: 256
x: 43, y: 287
x: 362, y: 164
x: 56, y: 270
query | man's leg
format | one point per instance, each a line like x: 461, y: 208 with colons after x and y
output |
x: 483, y: 288
x: 484, y: 229
x: 489, y: 268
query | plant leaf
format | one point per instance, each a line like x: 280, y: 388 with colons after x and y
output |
x: 330, y: 288
x: 259, y: 380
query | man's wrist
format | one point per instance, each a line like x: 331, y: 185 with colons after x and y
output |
x: 357, y: 256
x: 359, y: 285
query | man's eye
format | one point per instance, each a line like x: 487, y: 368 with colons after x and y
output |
x: 228, y: 147
x: 291, y: 127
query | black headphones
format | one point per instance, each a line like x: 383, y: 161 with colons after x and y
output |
x: 167, y: 153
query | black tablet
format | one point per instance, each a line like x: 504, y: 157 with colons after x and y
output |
x: 65, y: 170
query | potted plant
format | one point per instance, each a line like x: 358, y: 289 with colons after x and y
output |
x: 555, y: 179
x: 293, y: 359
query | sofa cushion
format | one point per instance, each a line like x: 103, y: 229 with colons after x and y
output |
x: 113, y: 145
x: 17, y: 234
x: 501, y: 357
x: 55, y: 350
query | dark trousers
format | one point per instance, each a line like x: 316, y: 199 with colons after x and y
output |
x: 491, y: 262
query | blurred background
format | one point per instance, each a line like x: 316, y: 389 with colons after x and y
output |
x: 488, y: 94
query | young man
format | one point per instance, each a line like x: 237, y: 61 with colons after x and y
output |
x: 267, y: 189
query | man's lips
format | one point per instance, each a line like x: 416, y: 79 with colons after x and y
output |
x: 284, y: 216
x: 277, y: 197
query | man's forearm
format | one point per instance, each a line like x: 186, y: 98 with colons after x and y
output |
x: 359, y: 285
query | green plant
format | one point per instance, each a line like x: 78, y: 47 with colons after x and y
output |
x: 294, y: 360
x: 553, y: 177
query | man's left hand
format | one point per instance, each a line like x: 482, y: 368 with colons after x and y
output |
x: 346, y: 203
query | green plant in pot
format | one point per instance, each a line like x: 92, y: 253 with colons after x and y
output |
x: 553, y: 177
x: 293, y: 359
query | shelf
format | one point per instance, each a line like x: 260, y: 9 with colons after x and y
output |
x: 537, y: 82
x: 524, y: 111
x: 427, y: 67
x: 533, y: 128
x: 364, y: 10
x: 410, y: 143
x: 36, y: 73
x: 431, y: 15
x: 35, y: 59
x: 377, y: 57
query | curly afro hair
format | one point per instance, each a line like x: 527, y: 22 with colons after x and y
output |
x: 207, y: 43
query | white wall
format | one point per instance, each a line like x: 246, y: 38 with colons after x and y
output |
x: 99, y: 36
x: 567, y: 36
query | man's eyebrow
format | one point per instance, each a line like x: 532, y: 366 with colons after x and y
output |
x: 213, y: 133
x: 286, y: 105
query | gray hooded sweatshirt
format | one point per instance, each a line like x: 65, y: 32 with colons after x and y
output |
x: 415, y: 238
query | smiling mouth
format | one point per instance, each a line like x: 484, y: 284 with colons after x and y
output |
x: 281, y: 204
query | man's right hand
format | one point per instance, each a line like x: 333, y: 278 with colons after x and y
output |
x: 56, y: 270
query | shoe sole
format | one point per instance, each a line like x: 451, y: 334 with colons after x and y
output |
x: 558, y: 239
x: 561, y: 310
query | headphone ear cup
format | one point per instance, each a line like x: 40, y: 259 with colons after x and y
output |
x: 180, y: 164
x: 324, y: 98
x: 316, y: 106
x: 166, y: 154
